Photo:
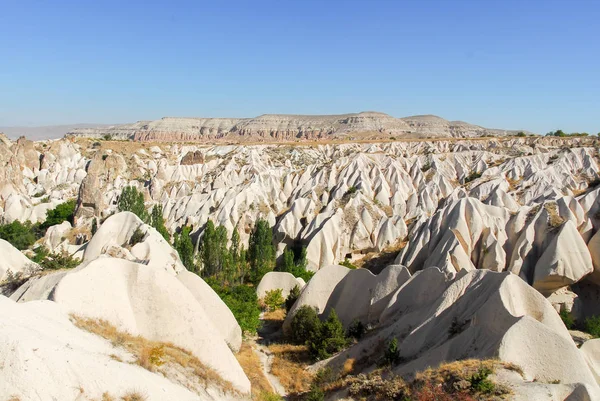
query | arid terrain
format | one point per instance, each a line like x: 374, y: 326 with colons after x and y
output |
x: 464, y: 266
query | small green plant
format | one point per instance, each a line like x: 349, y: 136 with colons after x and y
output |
x: 346, y: 262
x: 356, y: 329
x: 351, y: 190
x: 315, y: 394
x: 291, y: 298
x: 274, y: 299
x: 457, y: 327
x: 137, y: 237
x: 55, y: 261
x: 592, y: 326
x: 480, y: 382
x: 392, y: 352
x: 567, y: 319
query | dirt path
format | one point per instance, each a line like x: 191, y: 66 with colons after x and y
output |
x: 265, y: 335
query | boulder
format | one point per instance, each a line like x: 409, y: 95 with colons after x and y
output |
x: 14, y: 261
x: 278, y: 280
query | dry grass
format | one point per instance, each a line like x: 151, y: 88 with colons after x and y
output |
x: 554, y: 219
x: 252, y: 367
x: 134, y: 396
x: 289, y: 365
x: 152, y: 355
x: 448, y: 382
x: 277, y: 315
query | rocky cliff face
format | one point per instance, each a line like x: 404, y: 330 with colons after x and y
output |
x: 276, y: 127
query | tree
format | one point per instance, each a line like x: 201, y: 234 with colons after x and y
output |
x: 20, y: 235
x: 132, y: 200
x: 222, y: 253
x: 305, y: 324
x: 392, y: 352
x: 331, y: 338
x: 184, y: 246
x: 158, y: 222
x: 291, y: 298
x: 208, y: 250
x: 63, y: 212
x: 274, y: 299
x: 261, y: 252
x: 288, y: 262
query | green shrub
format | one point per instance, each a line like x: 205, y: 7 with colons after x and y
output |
x: 132, y: 200
x: 136, y: 237
x: 480, y: 382
x: 243, y: 303
x: 348, y: 264
x: 592, y: 326
x: 356, y: 329
x: 291, y: 298
x: 351, y: 190
x: 567, y: 319
x: 521, y: 134
x: 20, y: 235
x: 315, y: 394
x: 94, y: 226
x: 305, y: 324
x: 331, y: 338
x: 274, y: 299
x: 55, y: 261
x: 392, y: 352
x: 63, y: 212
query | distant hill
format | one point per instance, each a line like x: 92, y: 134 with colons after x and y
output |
x: 270, y: 127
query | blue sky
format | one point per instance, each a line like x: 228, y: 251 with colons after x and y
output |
x: 524, y: 64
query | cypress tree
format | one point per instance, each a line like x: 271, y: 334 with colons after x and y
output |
x: 261, y: 252
x: 184, y: 246
x: 158, y: 222
x: 132, y: 200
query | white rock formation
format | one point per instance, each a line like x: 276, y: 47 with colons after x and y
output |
x: 278, y: 280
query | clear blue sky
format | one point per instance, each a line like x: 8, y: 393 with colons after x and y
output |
x: 523, y: 64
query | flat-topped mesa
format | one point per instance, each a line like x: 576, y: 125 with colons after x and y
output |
x: 286, y: 127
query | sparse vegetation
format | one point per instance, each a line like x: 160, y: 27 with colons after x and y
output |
x: 152, y: 355
x: 472, y: 177
x: 158, y: 222
x: 289, y: 365
x: 243, y: 303
x: 56, y: 260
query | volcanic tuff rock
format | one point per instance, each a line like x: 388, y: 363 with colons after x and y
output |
x: 280, y: 127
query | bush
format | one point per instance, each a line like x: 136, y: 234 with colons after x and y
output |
x: 351, y: 190
x: 521, y: 134
x: 304, y: 325
x: 243, y: 303
x: 331, y: 338
x: 20, y: 235
x: 132, y: 200
x: 274, y: 299
x: 63, y: 212
x: 136, y: 237
x: 315, y: 394
x: 473, y: 176
x: 158, y: 222
x: 291, y: 298
x: 592, y: 326
x: 480, y: 382
x: 356, y: 329
x: 392, y: 352
x: 94, y: 226
x: 55, y: 261
x: 567, y: 319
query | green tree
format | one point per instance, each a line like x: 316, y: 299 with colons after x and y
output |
x: 132, y: 200
x: 20, y: 235
x: 261, y: 252
x: 222, y: 253
x: 288, y: 262
x: 392, y: 352
x: 208, y: 251
x: 331, y: 338
x: 63, y: 212
x: 305, y: 324
x: 158, y: 222
x: 184, y: 246
x: 274, y: 299
x: 94, y: 226
x: 291, y: 298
